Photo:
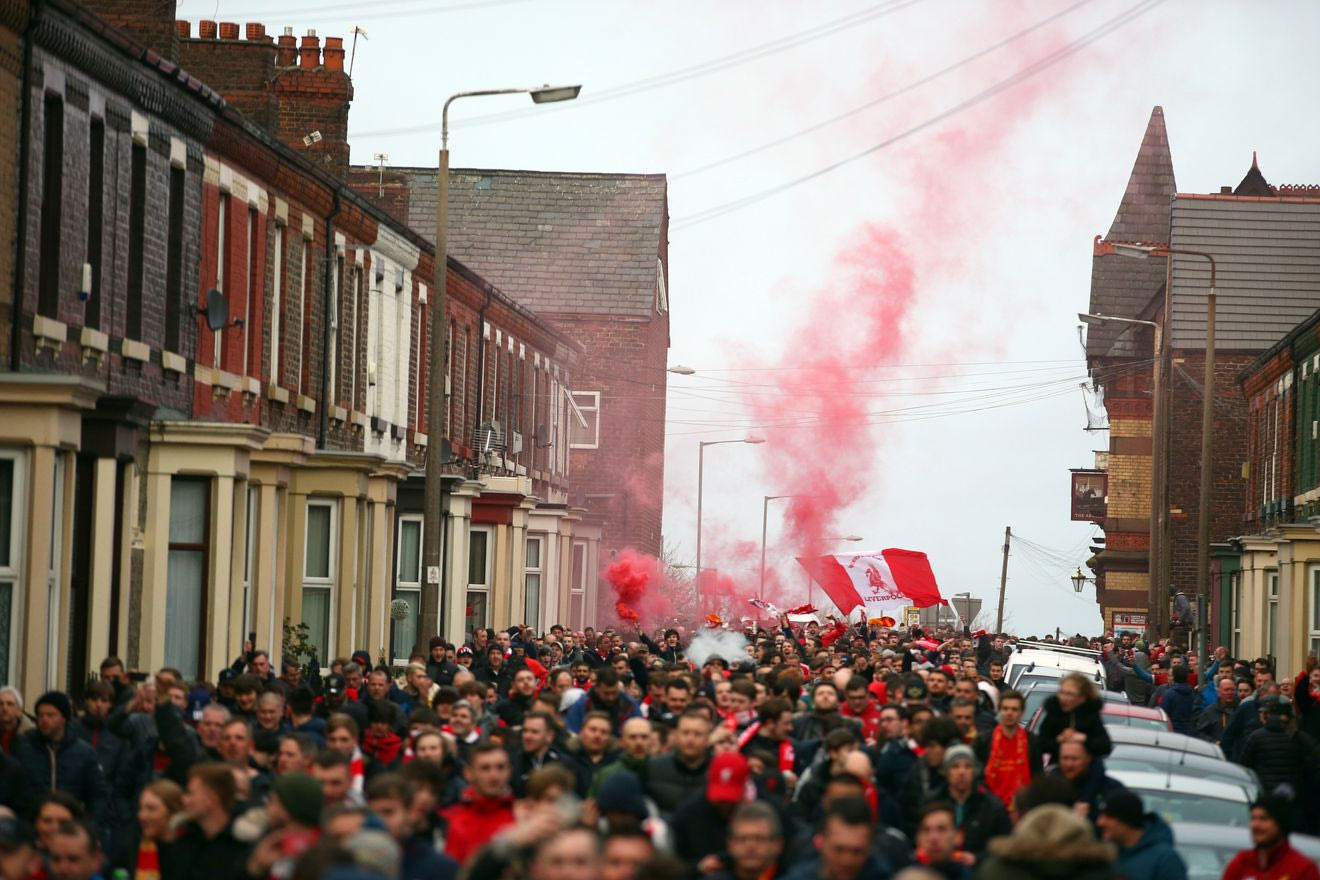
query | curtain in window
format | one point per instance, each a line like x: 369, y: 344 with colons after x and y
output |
x: 318, y: 541
x: 316, y: 614
x: 410, y: 536
x: 405, y: 631
x: 183, y: 610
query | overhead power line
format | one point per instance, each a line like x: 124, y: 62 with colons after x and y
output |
x: 876, y: 102
x: 672, y: 77
x: 373, y: 12
x: 1123, y: 18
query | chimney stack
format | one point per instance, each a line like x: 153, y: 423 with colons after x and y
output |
x: 206, y: 29
x: 183, y: 28
x: 229, y: 30
x: 309, y: 53
x: 256, y: 32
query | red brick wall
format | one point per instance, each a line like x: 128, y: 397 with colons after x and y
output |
x: 148, y: 22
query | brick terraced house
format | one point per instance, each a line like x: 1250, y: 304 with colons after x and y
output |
x: 168, y: 486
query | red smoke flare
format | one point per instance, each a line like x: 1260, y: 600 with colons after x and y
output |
x: 629, y: 576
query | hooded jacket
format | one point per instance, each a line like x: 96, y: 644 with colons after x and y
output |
x: 1211, y: 722
x: 1280, y: 757
x: 69, y: 765
x: 1180, y: 704
x: 669, y: 781
x: 1050, y: 843
x: 1153, y: 856
x: 1084, y: 719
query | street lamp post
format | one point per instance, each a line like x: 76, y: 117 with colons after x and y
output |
x: 438, y: 357
x: 1158, y: 509
x: 1142, y: 251
x: 701, y: 476
x: 765, y: 513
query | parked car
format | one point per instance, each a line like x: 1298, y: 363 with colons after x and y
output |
x: 1208, y: 848
x: 1187, y: 798
x: 1152, y: 759
x: 1048, y: 660
x: 1163, y: 739
x: 1127, y: 715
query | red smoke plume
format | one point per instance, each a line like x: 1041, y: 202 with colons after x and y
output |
x: 629, y: 576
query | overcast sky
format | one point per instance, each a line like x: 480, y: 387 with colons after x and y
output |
x: 991, y: 191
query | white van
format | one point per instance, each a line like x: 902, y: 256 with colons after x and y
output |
x: 1040, y: 660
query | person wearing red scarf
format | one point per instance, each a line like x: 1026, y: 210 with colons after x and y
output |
x: 487, y: 804
x: 380, y: 742
x: 1009, y: 752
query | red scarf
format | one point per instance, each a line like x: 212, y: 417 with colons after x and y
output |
x: 1009, y: 766
x: 148, y: 861
x: 383, y: 748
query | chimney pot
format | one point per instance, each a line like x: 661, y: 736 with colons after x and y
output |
x: 229, y: 30
x: 333, y: 56
x: 183, y: 28
x: 256, y: 31
x: 288, y: 32
x: 206, y: 29
x: 311, y: 32
x: 1226, y: 190
x: 309, y: 53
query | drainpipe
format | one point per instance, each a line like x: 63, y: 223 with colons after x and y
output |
x: 481, y: 360
x: 24, y: 157
x: 324, y: 426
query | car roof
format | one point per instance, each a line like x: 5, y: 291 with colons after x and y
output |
x: 1054, y: 659
x: 1200, y: 787
x: 1182, y: 763
x: 1130, y: 711
x: 1165, y: 739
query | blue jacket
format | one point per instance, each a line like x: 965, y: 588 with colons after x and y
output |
x: 1153, y: 857
x: 1180, y: 703
x: 625, y: 708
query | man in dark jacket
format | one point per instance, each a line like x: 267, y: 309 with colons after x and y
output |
x: 513, y: 707
x: 439, y: 668
x: 1211, y: 722
x: 674, y: 776
x: 1180, y: 701
x: 539, y: 749
x: 978, y: 813
x: 1087, y: 776
x: 1280, y: 754
x: 206, y: 846
x: 53, y: 757
x: 1144, y: 840
x: 112, y: 751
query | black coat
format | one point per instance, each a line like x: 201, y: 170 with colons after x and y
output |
x: 69, y: 765
x: 1278, y: 756
x: 983, y: 817
x: 669, y: 782
x: 193, y: 855
x: 1085, y: 719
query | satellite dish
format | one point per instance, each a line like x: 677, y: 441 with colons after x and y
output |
x: 215, y: 309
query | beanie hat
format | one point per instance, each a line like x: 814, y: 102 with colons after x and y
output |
x: 1278, y: 807
x: 959, y: 753
x: 301, y: 797
x: 1126, y: 807
x: 621, y: 792
x: 437, y: 642
x: 59, y: 700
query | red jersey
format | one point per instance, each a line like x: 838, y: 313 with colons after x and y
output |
x: 1281, y: 863
x: 869, y: 716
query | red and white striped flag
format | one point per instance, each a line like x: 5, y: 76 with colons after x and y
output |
x: 883, y: 583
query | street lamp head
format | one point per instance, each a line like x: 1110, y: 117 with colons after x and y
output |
x: 1137, y: 251
x: 753, y: 439
x: 680, y: 370
x: 1090, y: 319
x: 1078, y: 580
x: 548, y: 94
x: 852, y: 538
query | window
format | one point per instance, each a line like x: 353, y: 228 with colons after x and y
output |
x: 174, y: 262
x: 52, y: 213
x: 408, y: 585
x: 276, y: 306
x: 1313, y: 631
x: 319, y: 574
x: 584, y: 420
x: 54, y: 615
x: 354, y: 305
x: 137, y: 226
x: 250, y: 291
x: 1235, y: 597
x: 221, y: 267
x: 303, y: 327
x: 95, y: 210
x: 577, y: 593
x: 186, y: 587
x: 11, y: 554
x: 532, y: 582
x: 1272, y: 619
x: 478, y: 588
x: 332, y: 310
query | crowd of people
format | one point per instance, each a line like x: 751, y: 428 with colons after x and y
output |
x: 837, y: 751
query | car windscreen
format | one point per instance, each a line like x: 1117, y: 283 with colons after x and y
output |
x: 1153, y: 761
x: 1177, y: 806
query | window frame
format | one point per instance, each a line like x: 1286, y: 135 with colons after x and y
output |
x: 577, y: 585
x: 587, y: 417
x: 402, y: 585
x: 485, y: 588
x: 13, y: 573
x: 204, y: 548
x: 277, y: 304
x: 327, y: 583
x: 1235, y: 611
x: 51, y: 223
x: 1272, y: 611
x: 1313, y: 615
x: 538, y: 571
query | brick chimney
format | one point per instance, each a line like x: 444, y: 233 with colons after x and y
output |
x: 291, y: 87
x: 149, y: 22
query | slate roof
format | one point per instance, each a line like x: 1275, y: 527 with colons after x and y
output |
x: 1123, y: 286
x: 1267, y: 250
x: 558, y: 243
